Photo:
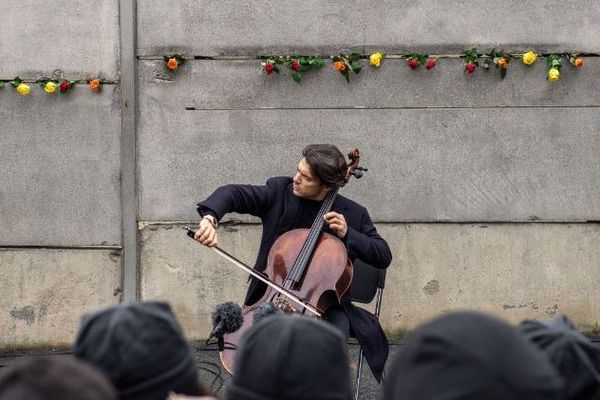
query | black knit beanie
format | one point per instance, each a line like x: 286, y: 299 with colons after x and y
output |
x: 575, y: 357
x: 470, y: 356
x: 291, y: 358
x: 141, y: 348
x: 54, y: 378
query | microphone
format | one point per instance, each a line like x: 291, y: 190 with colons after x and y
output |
x: 265, y: 310
x: 226, y: 318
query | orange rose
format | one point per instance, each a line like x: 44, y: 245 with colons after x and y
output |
x: 172, y: 64
x: 578, y: 62
x: 339, y: 66
x: 502, y: 63
x: 95, y: 85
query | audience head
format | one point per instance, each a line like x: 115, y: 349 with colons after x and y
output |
x: 572, y: 354
x: 141, y: 348
x: 291, y: 358
x: 54, y: 378
x: 468, y: 356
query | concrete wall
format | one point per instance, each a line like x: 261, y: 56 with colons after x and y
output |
x: 60, y: 203
x: 443, y: 149
x: 483, y: 188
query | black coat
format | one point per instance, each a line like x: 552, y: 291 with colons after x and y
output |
x: 281, y: 211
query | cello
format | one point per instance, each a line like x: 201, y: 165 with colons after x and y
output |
x: 307, y: 270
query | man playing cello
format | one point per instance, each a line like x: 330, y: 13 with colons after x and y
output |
x: 284, y: 204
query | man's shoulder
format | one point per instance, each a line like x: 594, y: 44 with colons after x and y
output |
x: 279, y: 181
x: 343, y: 202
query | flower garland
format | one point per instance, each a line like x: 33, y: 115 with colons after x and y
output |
x: 343, y: 63
x: 347, y: 63
x: 52, y: 86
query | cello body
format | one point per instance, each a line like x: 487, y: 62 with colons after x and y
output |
x: 323, y: 282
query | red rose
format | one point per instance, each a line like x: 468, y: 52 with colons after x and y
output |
x: 430, y: 64
x: 64, y: 86
x: 268, y: 68
x: 414, y: 64
x: 470, y: 68
x: 295, y: 65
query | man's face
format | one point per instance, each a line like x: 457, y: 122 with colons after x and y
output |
x: 306, y: 184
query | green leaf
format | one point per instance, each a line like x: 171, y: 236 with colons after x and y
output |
x: 1, y: 84
x: 356, y: 66
x: 16, y: 81
x: 297, y: 76
x: 346, y: 75
x: 503, y: 73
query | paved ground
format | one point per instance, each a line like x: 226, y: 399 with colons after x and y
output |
x: 213, y: 375
x: 216, y: 377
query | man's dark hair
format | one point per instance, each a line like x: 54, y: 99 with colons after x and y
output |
x: 327, y: 163
x: 54, y: 378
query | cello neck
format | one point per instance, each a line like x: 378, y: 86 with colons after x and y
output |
x: 313, y: 236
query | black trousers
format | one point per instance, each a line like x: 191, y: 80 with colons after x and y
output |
x: 336, y: 316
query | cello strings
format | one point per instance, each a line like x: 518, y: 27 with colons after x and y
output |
x: 313, y: 236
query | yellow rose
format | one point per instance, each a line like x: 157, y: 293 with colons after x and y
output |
x: 23, y: 89
x: 553, y: 74
x: 529, y: 58
x: 50, y: 87
x: 375, y: 59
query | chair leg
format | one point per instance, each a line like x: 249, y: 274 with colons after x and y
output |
x: 358, y: 373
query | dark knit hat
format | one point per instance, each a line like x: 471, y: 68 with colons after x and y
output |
x: 54, y: 378
x: 141, y: 347
x: 469, y: 356
x: 574, y: 356
x: 291, y: 358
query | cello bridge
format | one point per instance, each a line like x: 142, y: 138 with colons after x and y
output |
x: 282, y: 303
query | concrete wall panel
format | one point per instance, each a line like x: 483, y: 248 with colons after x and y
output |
x: 60, y: 161
x: 78, y: 37
x: 253, y: 27
x: 191, y: 277
x: 514, y: 271
x: 45, y: 293
x: 461, y: 164
x: 242, y: 84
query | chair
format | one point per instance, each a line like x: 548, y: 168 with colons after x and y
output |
x: 367, y: 284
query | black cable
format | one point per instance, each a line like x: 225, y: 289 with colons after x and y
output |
x: 218, y: 375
